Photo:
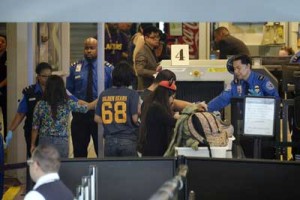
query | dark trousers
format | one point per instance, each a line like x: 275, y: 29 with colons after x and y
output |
x: 82, y: 127
x: 27, y: 135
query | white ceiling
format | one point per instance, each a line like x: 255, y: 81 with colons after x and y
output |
x: 149, y: 10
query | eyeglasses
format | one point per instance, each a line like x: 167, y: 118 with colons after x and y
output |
x: 30, y: 162
x: 154, y: 37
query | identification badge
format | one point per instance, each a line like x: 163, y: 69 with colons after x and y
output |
x: 77, y: 77
x: 239, y: 90
x: 32, y: 99
x: 78, y: 67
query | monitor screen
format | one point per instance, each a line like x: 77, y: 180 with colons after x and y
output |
x: 259, y: 116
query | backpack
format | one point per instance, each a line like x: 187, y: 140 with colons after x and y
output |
x: 195, y: 128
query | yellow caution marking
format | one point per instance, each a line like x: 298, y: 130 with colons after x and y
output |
x: 11, y: 193
x: 216, y: 70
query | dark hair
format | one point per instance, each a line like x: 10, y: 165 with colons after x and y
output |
x: 161, y: 96
x: 4, y: 36
x: 55, y: 93
x: 222, y: 31
x: 122, y: 74
x: 47, y: 157
x: 244, y: 59
x: 150, y: 29
x: 165, y: 75
x: 144, y: 25
x: 41, y: 67
x: 289, y: 50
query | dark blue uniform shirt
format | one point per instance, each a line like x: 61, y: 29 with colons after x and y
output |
x: 77, y: 79
x: 256, y: 85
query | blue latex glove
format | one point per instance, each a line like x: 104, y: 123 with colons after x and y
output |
x: 9, y: 137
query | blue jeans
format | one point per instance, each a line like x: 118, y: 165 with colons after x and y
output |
x: 119, y: 147
x: 61, y: 143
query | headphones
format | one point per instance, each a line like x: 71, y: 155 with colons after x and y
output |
x: 168, y: 84
x: 229, y: 65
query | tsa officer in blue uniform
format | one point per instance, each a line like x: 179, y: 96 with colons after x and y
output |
x: 31, y: 95
x: 82, y: 83
x: 246, y: 82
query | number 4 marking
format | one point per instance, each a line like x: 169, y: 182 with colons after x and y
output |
x: 180, y: 55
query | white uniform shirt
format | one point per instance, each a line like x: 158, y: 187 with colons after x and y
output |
x: 35, y: 195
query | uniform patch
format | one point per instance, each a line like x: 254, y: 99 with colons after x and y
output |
x: 270, y: 85
x: 78, y: 67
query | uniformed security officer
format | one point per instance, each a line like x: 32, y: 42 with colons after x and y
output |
x: 31, y: 95
x: 246, y: 82
x: 82, y: 83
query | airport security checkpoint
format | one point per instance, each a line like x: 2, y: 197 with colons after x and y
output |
x: 186, y: 176
x: 252, y: 150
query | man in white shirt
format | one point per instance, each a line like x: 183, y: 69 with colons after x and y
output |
x: 43, y: 166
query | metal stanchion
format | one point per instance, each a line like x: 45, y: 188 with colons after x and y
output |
x: 170, y: 188
x: 87, y: 189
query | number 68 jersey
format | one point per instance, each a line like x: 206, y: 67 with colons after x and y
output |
x: 116, y: 106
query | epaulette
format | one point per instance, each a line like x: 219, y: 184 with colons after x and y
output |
x: 261, y: 77
x: 28, y: 89
x: 107, y: 64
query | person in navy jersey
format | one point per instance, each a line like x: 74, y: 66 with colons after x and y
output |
x: 117, y: 110
x: 44, y: 166
x: 116, y: 44
x: 246, y: 82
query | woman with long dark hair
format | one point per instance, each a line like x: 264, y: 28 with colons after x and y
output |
x: 51, y: 115
x: 157, y: 120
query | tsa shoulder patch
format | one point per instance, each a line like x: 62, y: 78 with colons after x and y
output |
x: 269, y: 85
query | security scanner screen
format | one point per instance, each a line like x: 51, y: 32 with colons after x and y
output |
x: 259, y: 116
